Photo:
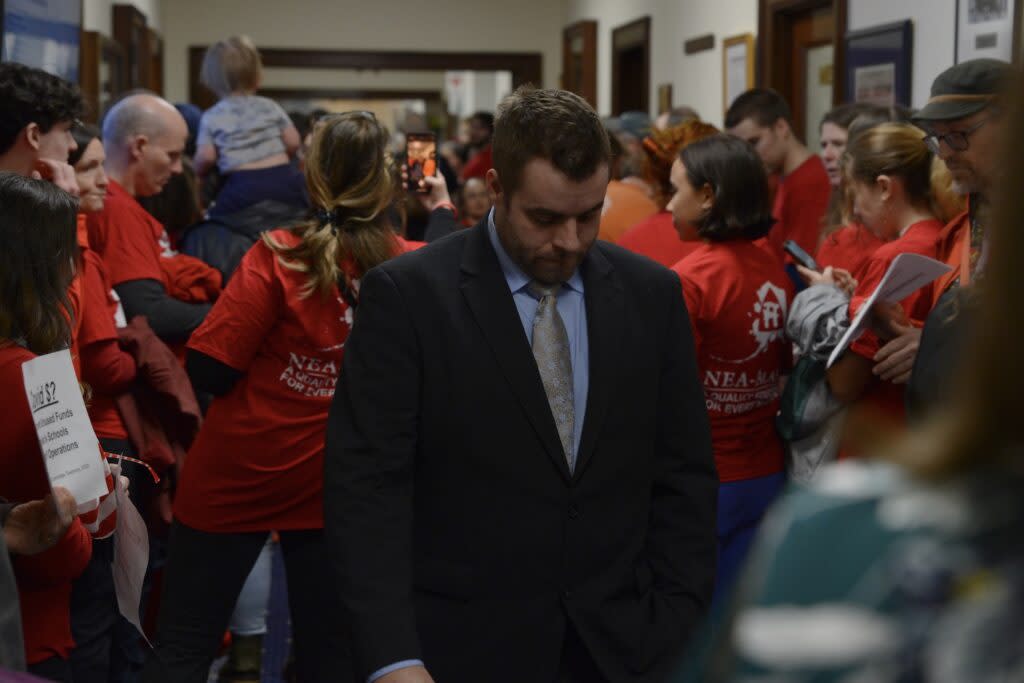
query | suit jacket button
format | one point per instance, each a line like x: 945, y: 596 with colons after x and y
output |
x: 574, y: 511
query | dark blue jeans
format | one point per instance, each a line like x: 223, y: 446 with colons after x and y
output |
x: 741, y: 507
x: 241, y: 189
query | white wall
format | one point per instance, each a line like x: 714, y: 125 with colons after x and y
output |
x: 96, y: 14
x: 696, y: 79
x: 439, y: 25
x: 353, y: 79
x: 934, y: 29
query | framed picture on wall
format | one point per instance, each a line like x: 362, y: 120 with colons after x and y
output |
x: 987, y: 28
x: 737, y: 67
x: 664, y: 98
x: 42, y: 33
x: 879, y: 63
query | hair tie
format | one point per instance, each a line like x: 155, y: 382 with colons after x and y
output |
x: 325, y: 217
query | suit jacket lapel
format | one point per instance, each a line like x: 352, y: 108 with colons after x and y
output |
x: 487, y: 294
x: 606, y: 316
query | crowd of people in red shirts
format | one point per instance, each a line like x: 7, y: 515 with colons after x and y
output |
x: 209, y: 357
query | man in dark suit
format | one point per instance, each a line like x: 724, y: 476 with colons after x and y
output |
x: 519, y: 481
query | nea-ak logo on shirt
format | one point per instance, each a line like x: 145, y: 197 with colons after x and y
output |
x: 768, y: 320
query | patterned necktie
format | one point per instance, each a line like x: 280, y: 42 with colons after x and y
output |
x: 551, y: 351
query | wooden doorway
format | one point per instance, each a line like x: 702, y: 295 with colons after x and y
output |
x: 801, y: 55
x: 631, y: 67
x: 579, y: 60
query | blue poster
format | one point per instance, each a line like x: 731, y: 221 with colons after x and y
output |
x: 44, y: 34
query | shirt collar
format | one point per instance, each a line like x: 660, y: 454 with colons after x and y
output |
x: 514, y: 275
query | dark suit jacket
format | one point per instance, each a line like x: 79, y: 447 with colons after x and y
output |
x: 456, y: 532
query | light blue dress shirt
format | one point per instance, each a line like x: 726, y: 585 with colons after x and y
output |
x: 572, y: 308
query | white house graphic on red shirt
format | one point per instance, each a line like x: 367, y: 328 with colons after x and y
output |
x: 769, y: 320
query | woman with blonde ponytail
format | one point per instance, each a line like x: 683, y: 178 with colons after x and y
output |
x: 270, y: 352
x: 902, y: 194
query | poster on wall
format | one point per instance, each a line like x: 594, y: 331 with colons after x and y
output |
x: 44, y: 34
x: 875, y: 84
x: 879, y: 64
x: 987, y: 28
x: 737, y: 67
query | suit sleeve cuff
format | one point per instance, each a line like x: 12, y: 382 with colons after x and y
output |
x: 404, y: 664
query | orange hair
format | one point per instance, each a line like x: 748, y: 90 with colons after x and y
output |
x: 662, y: 148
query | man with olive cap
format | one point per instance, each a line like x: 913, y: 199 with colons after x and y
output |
x: 965, y: 122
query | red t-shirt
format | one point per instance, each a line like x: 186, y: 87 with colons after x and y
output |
x: 738, y: 297
x: 954, y: 249
x: 800, y: 204
x: 479, y: 165
x: 98, y: 314
x: 128, y: 239
x: 657, y: 238
x: 44, y: 580
x: 257, y: 464
x: 75, y: 298
x: 920, y: 238
x: 848, y: 248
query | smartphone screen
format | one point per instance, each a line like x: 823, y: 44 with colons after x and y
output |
x: 421, y: 159
x: 800, y: 256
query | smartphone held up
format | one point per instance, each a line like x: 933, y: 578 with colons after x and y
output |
x: 800, y: 256
x: 421, y: 160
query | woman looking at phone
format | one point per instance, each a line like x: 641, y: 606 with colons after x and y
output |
x: 737, y: 294
x: 898, y: 189
x: 270, y: 352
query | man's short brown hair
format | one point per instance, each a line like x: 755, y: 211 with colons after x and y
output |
x: 764, y: 105
x: 555, y: 125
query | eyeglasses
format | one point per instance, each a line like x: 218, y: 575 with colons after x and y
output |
x: 955, y: 139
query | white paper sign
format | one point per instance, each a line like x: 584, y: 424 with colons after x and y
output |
x: 69, y: 445
x: 131, y: 555
x: 907, y: 274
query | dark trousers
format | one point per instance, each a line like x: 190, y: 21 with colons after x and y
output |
x: 576, y: 664
x: 94, y: 617
x: 52, y: 669
x: 242, y: 189
x: 202, y: 579
x: 128, y: 652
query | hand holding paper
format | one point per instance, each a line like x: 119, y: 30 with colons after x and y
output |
x: 906, y: 274
x: 69, y: 445
x: 33, y: 527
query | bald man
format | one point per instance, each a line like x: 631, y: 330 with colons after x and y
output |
x: 144, y: 139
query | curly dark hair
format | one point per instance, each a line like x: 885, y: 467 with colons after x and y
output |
x: 34, y: 96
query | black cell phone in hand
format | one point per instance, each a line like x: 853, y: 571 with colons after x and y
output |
x: 800, y: 256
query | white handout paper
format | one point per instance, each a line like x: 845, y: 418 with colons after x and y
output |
x: 131, y: 555
x: 907, y: 274
x: 70, y: 448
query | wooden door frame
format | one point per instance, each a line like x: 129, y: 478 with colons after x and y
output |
x: 587, y: 30
x: 526, y: 67
x: 131, y: 30
x: 769, y: 14
x: 645, y: 23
